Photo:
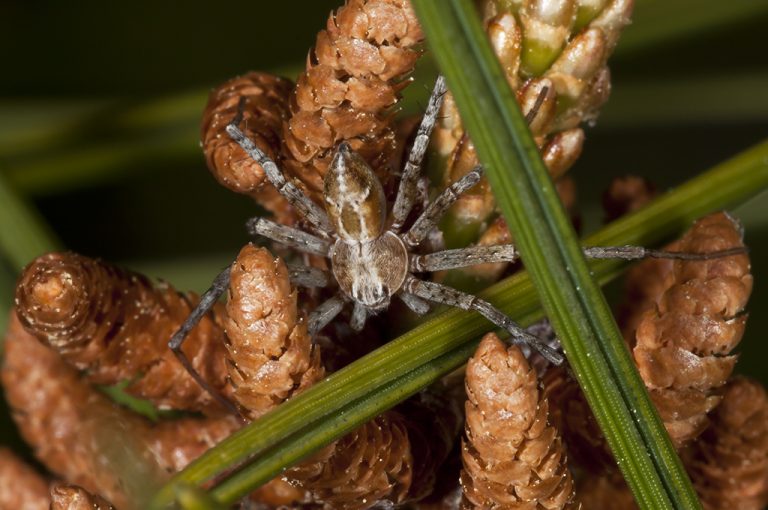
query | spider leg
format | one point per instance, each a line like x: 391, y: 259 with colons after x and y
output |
x: 359, y: 316
x: 207, y: 300
x: 473, y: 255
x: 638, y: 252
x: 414, y: 303
x: 303, y: 204
x: 291, y: 237
x: 446, y: 295
x: 463, y: 257
x: 534, y: 111
x: 407, y: 191
x: 432, y: 214
x: 324, y: 314
x: 306, y: 276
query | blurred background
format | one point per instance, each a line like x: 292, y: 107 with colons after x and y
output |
x: 100, y: 104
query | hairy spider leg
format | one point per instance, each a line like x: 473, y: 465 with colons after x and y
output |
x: 308, y: 209
x: 638, y: 252
x: 443, y: 294
x: 474, y: 255
x: 531, y: 115
x: 289, y: 236
x: 207, y: 300
x: 408, y: 188
x: 434, y: 211
x: 308, y: 277
x: 359, y: 316
x: 463, y: 257
x: 324, y: 314
x: 416, y: 304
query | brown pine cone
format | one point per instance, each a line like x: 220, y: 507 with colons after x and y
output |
x: 353, y: 78
x: 72, y: 497
x: 21, y: 487
x: 265, y: 109
x: 512, y: 457
x: 80, y: 435
x: 644, y: 284
x: 270, y: 350
x: 683, y: 344
x: 372, y: 463
x: 272, y: 359
x: 115, y: 325
x: 728, y: 464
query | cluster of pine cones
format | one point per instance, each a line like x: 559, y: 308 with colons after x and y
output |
x: 529, y: 442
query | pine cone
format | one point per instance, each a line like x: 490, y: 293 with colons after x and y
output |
x: 512, y: 457
x: 683, y: 345
x: 265, y: 109
x: 115, y: 325
x: 79, y: 434
x: 644, y: 284
x: 270, y: 350
x: 272, y: 359
x: 21, y: 487
x: 72, y: 497
x: 728, y: 465
x: 560, y: 48
x: 353, y: 78
x: 372, y: 463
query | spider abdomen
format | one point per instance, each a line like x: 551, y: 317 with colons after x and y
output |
x: 354, y: 197
x: 370, y: 272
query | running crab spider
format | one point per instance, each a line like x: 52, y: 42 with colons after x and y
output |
x: 371, y: 260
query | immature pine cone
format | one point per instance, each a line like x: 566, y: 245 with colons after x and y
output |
x: 353, y: 77
x: 685, y: 331
x: 558, y: 47
x: 272, y: 359
x: 265, y: 109
x: 728, y: 464
x: 270, y: 350
x: 80, y: 435
x: 512, y: 457
x: 683, y: 345
x: 115, y: 325
x: 21, y: 487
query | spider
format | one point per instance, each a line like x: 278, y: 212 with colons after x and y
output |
x: 371, y: 260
